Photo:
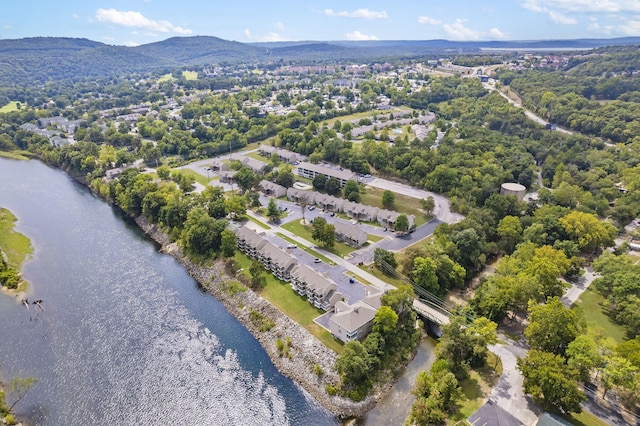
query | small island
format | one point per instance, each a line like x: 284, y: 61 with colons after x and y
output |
x: 14, y: 249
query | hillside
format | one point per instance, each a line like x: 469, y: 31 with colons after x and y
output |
x: 36, y: 60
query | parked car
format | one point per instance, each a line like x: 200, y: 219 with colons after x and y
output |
x: 316, y: 260
x: 311, y: 208
x: 291, y: 246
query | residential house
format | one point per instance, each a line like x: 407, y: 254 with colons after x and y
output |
x: 387, y: 218
x: 352, y: 322
x: 219, y: 165
x: 320, y: 291
x: 295, y: 194
x: 283, y: 154
x: 349, y: 234
x: 255, y: 165
x: 272, y: 189
x: 226, y: 176
x: 328, y: 202
x: 310, y: 171
x: 360, y: 211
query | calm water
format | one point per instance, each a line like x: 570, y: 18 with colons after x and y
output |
x: 126, y: 336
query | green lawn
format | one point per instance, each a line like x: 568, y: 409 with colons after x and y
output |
x: 304, y: 231
x: 403, y: 204
x: 375, y: 238
x: 585, y: 419
x: 10, y: 107
x: 309, y: 250
x: 379, y: 274
x: 292, y: 304
x: 190, y: 75
x: 591, y: 303
x: 256, y: 156
x: 262, y: 225
x: 197, y: 176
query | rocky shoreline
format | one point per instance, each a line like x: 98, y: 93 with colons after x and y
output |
x: 307, y: 352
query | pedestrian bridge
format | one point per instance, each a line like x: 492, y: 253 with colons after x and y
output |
x: 432, y: 313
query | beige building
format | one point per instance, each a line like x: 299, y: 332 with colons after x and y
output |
x: 350, y: 234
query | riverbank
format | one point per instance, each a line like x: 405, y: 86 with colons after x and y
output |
x: 15, y: 248
x: 307, y: 352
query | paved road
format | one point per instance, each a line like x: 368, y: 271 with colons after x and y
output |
x: 442, y: 210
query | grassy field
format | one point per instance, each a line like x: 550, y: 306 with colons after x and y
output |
x: 190, y: 75
x: 304, y: 231
x: 14, y: 155
x: 10, y: 107
x: 16, y: 246
x: 366, y: 114
x: 166, y: 77
x: 292, y: 304
x: 591, y: 303
x: 403, y: 203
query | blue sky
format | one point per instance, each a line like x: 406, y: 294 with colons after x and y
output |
x: 134, y: 22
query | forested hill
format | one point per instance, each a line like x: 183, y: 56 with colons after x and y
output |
x: 36, y: 60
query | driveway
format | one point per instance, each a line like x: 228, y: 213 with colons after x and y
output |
x: 508, y: 393
x: 573, y: 293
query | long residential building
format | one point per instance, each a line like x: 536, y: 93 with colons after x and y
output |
x: 310, y: 171
x: 321, y: 291
x: 350, y: 234
x: 274, y: 259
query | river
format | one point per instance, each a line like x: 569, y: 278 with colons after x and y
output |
x: 126, y: 337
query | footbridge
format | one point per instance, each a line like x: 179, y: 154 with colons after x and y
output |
x: 427, y: 305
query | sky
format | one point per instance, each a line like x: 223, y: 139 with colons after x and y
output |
x: 136, y: 22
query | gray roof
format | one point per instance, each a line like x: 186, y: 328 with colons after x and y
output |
x: 277, y: 255
x: 319, y: 283
x: 337, y: 173
x: 272, y: 186
x: 351, y: 231
x: 352, y: 317
x: 251, y: 237
x: 299, y: 193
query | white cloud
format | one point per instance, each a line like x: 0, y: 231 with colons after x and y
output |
x: 629, y: 28
x: 495, y: 33
x: 584, y: 6
x: 279, y: 26
x: 428, y: 21
x: 131, y: 43
x: 75, y: 16
x: 554, y: 16
x: 359, y: 13
x: 358, y: 36
x: 7, y: 27
x: 107, y: 38
x: 457, y: 31
x: 595, y: 27
x: 560, y: 18
x: 137, y: 20
x: 247, y: 33
x: 272, y: 37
